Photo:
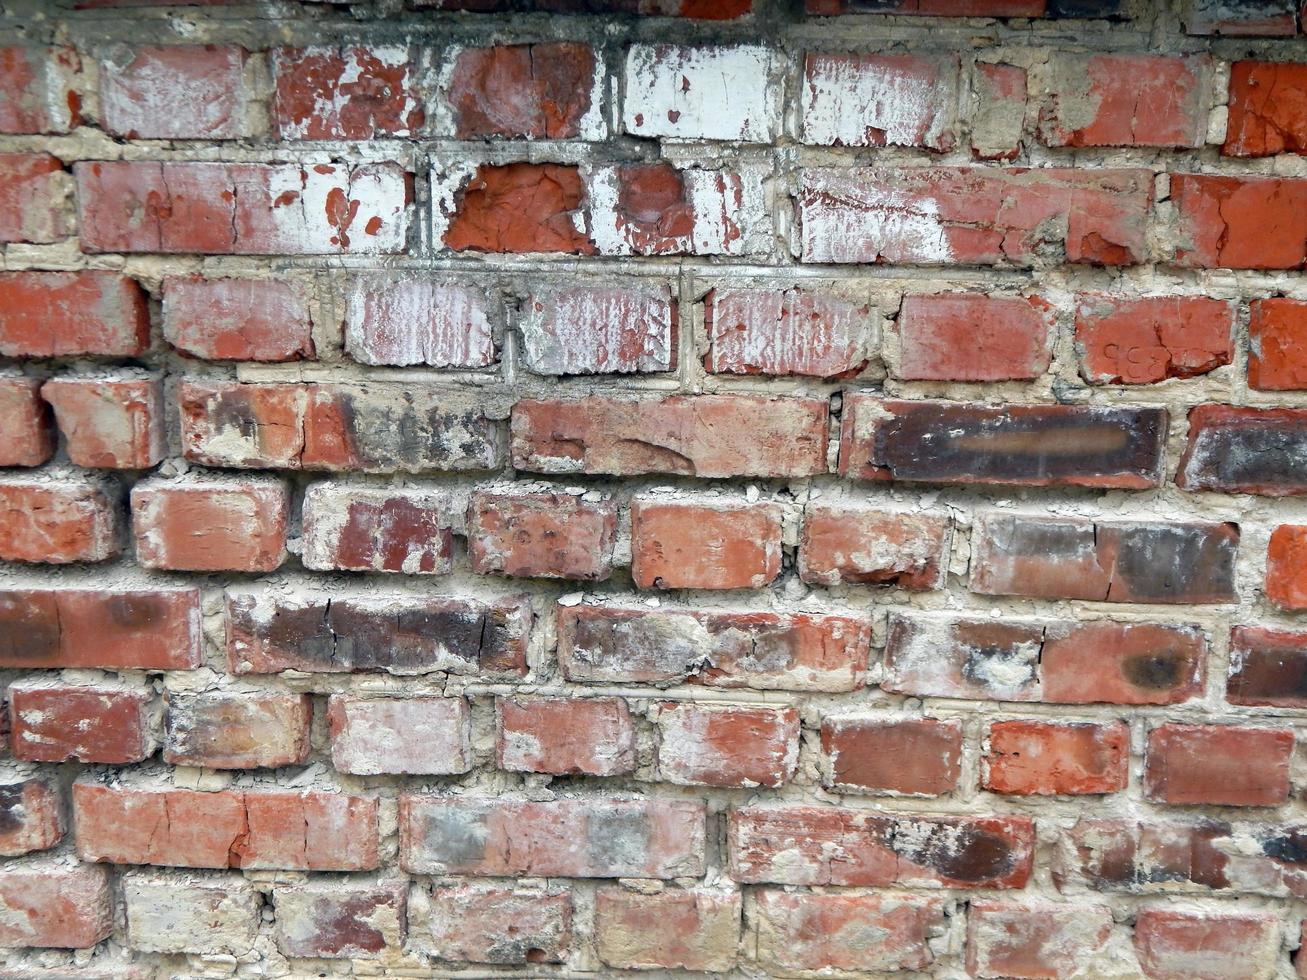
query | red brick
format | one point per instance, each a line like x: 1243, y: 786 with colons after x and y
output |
x: 336, y: 919
x: 630, y: 329
x: 517, y: 207
x: 1277, y: 345
x: 566, y: 838
x: 167, y: 912
x: 1267, y: 667
x: 1142, y: 341
x: 56, y: 523
x: 697, y: 9
x: 1104, y: 561
x: 103, y: 723
x: 968, y: 443
x: 237, y: 319
x: 541, y: 535
x: 930, y: 8
x: 157, y: 629
x: 243, y: 208
x: 1242, y: 18
x: 787, y: 332
x: 57, y: 314
x: 1240, y: 222
x: 308, y: 831
x: 370, y: 428
x: 853, y: 543
x: 469, y: 924
x: 62, y: 906
x: 811, y: 845
x: 663, y: 86
x: 1177, y: 944
x: 564, y: 736
x: 206, y: 526
x: 1035, y: 942
x: 268, y: 633
x: 1125, y: 100
x: 418, y: 321
x: 30, y: 818
x: 973, y: 216
x: 412, y: 735
x: 909, y: 756
x: 33, y: 188
x: 880, y: 100
x: 1245, y: 450
x: 766, y: 651
x: 40, y: 90
x: 347, y: 93
x: 237, y: 729
x: 972, y: 337
x: 176, y: 92
x: 1033, y: 758
x: 998, y: 122
x: 704, y: 544
x: 730, y: 746
x: 531, y: 91
x: 109, y: 423
x: 813, y: 934
x: 357, y: 529
x: 675, y: 929
x: 1221, y: 765
x: 1286, y: 567
x: 1268, y: 109
x: 697, y: 435
x: 26, y: 430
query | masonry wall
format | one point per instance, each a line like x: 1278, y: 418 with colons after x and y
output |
x: 559, y: 488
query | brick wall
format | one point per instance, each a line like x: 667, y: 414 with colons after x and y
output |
x: 556, y: 488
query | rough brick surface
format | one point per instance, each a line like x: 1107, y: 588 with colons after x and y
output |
x: 175, y: 92
x: 59, y: 905
x: 57, y: 314
x: 565, y: 737
x: 1149, y: 340
x: 704, y: 544
x: 204, y: 527
x: 361, y: 530
x: 57, y: 523
x: 27, y: 435
x: 32, y: 198
x: 240, y: 730
x: 109, y: 424
x: 237, y: 319
x: 40, y: 93
x: 541, y: 535
x: 969, y: 337
x: 103, y: 723
x: 429, y: 736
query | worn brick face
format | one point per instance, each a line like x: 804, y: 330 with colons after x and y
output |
x: 237, y: 319
x: 103, y: 723
x: 912, y: 756
x: 109, y: 424
x: 524, y: 91
x: 176, y: 92
x: 704, y: 544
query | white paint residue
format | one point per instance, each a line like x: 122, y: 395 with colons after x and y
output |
x: 727, y: 93
x: 855, y: 216
x: 418, y: 322
x: 886, y: 100
x: 597, y: 330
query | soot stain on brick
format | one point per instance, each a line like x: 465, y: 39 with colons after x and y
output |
x: 13, y: 813
x: 1157, y: 671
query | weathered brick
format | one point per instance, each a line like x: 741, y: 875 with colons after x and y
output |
x: 1268, y: 109
x: 413, y: 735
x: 1027, y: 758
x: 875, y: 754
x: 346, y: 93
x: 142, y: 629
x: 33, y: 189
x: 27, y: 435
x: 358, y: 529
x: 569, y: 838
x: 1222, y: 765
x: 57, y: 523
x: 57, y: 314
x: 418, y: 321
x: 237, y: 729
x: 702, y: 93
x: 809, y: 934
x: 109, y: 423
x: 1241, y: 18
x: 880, y: 100
x: 582, y: 329
x: 972, y: 337
x: 54, y: 722
x: 733, y: 746
x: 809, y: 845
x: 698, y: 435
x: 40, y: 89
x: 564, y: 736
x: 793, y: 331
x: 1147, y: 340
x: 541, y: 535
x: 335, y: 920
x: 973, y: 216
x: 675, y: 929
x: 171, y: 913
x: 1240, y: 222
x: 767, y: 651
x: 373, y: 428
x: 176, y: 92
x: 470, y: 924
x: 1104, y: 561
x: 267, y: 634
x: 237, y: 319
x: 243, y: 208
x: 1245, y: 450
x: 1267, y: 667
x: 58, y: 905
x: 1286, y: 567
x: 998, y: 119
x: 210, y: 525
x: 550, y: 90
x: 1277, y: 344
x: 959, y: 442
x: 30, y: 818
x: 1042, y: 941
x: 855, y: 543
x: 1174, y: 944
x: 515, y: 207
x: 704, y: 544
